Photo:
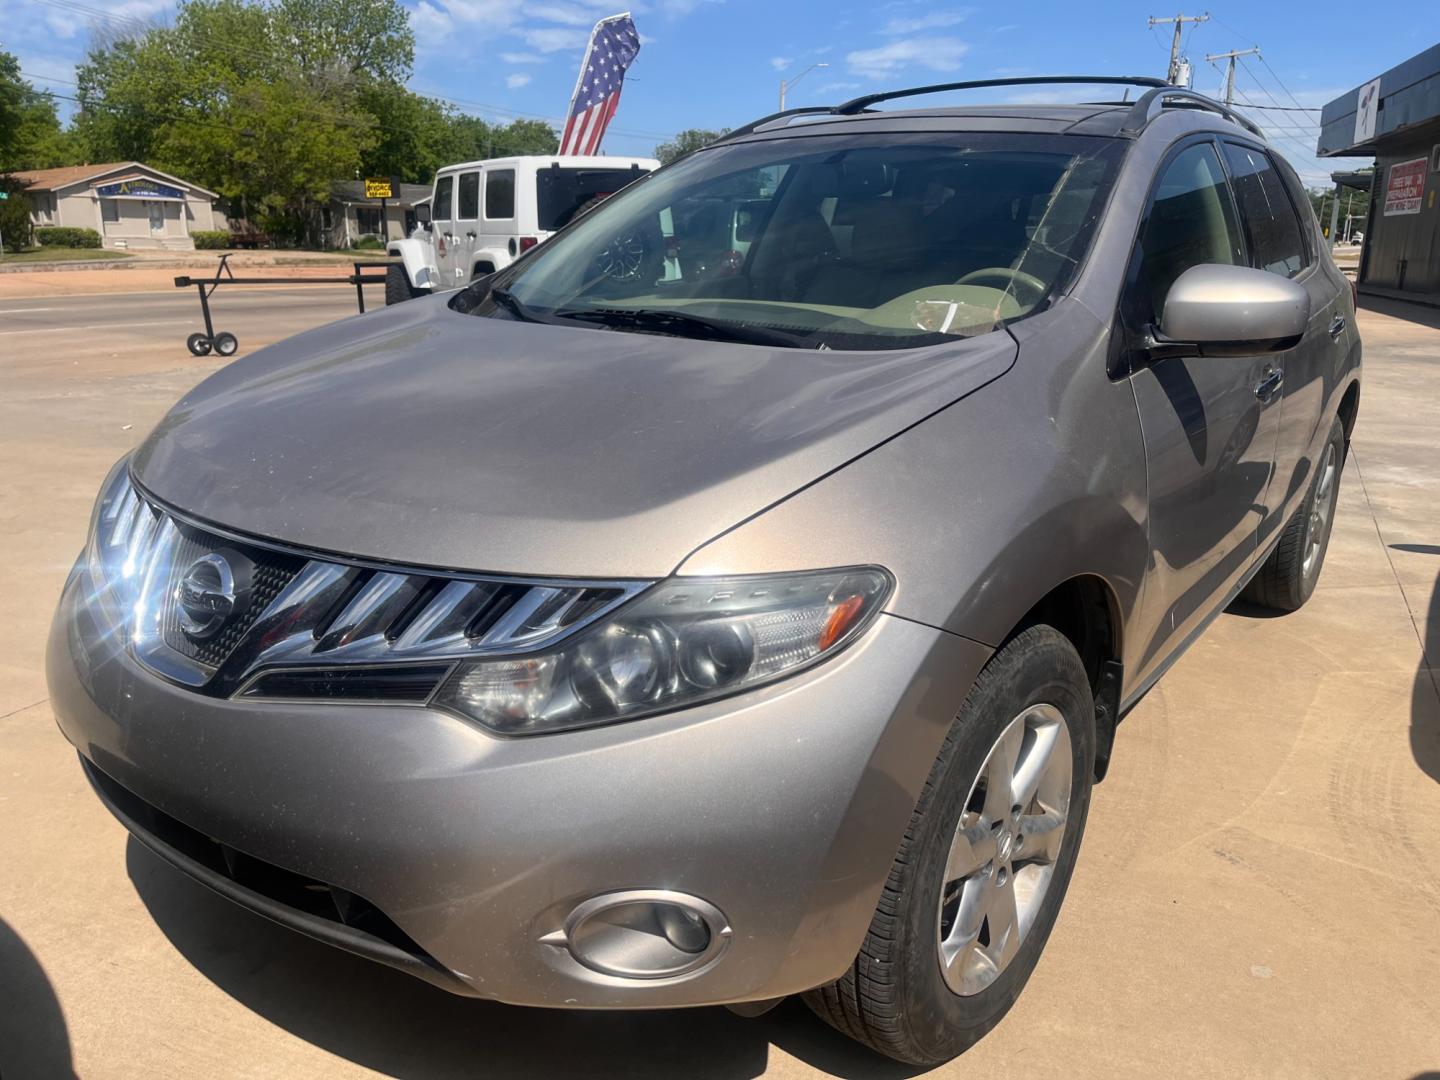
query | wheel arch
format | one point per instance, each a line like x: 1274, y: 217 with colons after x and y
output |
x: 1086, y: 611
x: 1349, y: 410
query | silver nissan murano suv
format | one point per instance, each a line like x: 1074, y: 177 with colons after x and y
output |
x: 737, y: 596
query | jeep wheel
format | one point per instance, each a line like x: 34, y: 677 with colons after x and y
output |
x: 983, y: 868
x: 1288, y: 576
x: 397, y: 285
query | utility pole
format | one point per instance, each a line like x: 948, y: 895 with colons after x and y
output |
x: 1230, y: 68
x: 787, y: 84
x: 1175, y: 76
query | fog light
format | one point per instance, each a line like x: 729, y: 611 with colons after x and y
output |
x: 644, y: 934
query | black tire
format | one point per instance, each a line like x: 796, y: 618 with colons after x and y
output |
x: 198, y: 344
x: 1283, y: 582
x: 895, y: 998
x: 397, y: 285
x: 226, y: 343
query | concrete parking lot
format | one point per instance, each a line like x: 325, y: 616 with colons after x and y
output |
x: 1259, y: 894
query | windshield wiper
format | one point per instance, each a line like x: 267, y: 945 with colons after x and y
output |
x: 681, y: 324
x: 513, y: 304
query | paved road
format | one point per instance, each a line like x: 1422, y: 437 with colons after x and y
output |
x: 255, y: 314
x: 1259, y: 893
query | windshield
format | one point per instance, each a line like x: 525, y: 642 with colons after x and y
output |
x: 840, y: 242
x: 561, y: 194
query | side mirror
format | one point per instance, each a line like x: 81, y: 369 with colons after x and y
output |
x: 422, y: 214
x: 1234, y: 309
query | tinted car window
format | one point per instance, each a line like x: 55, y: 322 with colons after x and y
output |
x: 469, y: 196
x: 842, y: 242
x: 1191, y: 222
x: 560, y: 194
x: 443, y: 188
x: 500, y: 193
x: 1275, y: 241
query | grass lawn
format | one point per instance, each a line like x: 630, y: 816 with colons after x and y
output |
x: 58, y: 254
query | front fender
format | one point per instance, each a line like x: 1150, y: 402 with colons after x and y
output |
x: 416, y: 258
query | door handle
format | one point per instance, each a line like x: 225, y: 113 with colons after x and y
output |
x: 1337, y: 326
x: 1266, y: 389
x: 471, y: 235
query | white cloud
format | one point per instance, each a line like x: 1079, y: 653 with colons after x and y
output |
x: 780, y: 63
x: 514, y: 82
x: 430, y: 24
x: 569, y: 14
x: 521, y: 58
x: 550, y: 39
x: 934, y: 21
x: 836, y: 87
x: 934, y: 54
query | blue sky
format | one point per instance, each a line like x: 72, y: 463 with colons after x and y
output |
x: 715, y: 63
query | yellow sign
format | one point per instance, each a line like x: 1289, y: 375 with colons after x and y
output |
x: 379, y: 187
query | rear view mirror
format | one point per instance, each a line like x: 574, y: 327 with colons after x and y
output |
x: 422, y: 214
x: 1234, y: 308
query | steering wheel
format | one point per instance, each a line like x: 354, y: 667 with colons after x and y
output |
x: 1004, y: 277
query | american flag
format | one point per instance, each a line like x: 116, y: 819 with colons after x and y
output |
x: 613, y: 48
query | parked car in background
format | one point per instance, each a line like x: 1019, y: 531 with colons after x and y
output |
x: 482, y: 215
x: 737, y: 596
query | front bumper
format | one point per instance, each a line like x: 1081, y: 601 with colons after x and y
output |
x: 782, y: 807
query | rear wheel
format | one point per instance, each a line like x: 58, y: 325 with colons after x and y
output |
x: 1289, y: 575
x: 978, y: 882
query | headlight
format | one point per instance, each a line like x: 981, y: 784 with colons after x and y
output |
x: 684, y: 642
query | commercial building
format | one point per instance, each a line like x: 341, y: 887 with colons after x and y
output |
x: 129, y: 204
x: 1395, y: 119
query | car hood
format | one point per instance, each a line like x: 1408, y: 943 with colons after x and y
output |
x: 422, y: 436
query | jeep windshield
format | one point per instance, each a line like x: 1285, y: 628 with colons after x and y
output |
x: 824, y: 241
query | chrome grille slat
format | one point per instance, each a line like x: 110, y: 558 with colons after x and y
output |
x: 442, y: 624
x: 300, y: 611
x: 363, y: 624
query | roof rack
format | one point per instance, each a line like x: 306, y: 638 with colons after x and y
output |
x: 860, y: 104
x: 1151, y: 103
x: 1146, y: 107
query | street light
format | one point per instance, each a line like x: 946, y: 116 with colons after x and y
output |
x: 784, y: 85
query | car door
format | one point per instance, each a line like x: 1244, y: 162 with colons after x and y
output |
x: 1209, y: 423
x: 442, y: 216
x: 1277, y: 243
x: 467, y: 224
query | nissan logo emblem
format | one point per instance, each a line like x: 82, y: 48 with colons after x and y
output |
x: 206, y: 596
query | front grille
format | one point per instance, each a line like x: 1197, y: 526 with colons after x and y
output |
x: 269, y: 572
x: 314, y: 619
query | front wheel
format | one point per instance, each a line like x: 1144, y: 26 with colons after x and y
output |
x: 397, y: 285
x: 977, y: 884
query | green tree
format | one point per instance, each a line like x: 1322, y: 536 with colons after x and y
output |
x: 30, y: 132
x: 689, y: 140
x: 267, y: 104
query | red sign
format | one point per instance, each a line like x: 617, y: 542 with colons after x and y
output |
x: 1405, y: 187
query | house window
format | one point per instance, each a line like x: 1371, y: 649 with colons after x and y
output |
x: 367, y: 220
x: 109, y: 211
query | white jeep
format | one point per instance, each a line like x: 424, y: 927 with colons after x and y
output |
x: 483, y: 214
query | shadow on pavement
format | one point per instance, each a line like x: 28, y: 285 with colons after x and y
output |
x: 1425, y: 698
x: 402, y: 1027
x: 1421, y: 314
x: 33, y: 1037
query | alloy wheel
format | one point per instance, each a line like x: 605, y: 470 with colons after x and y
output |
x: 1321, y: 508
x: 1005, y: 849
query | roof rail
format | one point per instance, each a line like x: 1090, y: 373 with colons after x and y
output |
x: 1146, y: 107
x: 860, y: 104
x: 1150, y: 105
